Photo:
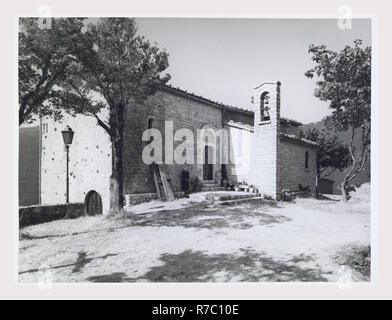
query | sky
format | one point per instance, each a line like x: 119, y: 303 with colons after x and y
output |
x: 224, y: 59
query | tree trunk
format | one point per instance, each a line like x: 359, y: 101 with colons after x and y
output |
x: 345, y: 192
x: 21, y: 114
x: 316, y: 191
x: 116, y: 179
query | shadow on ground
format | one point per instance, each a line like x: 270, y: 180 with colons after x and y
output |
x: 78, y: 265
x: 210, y: 217
x: 196, y: 266
x: 197, y: 216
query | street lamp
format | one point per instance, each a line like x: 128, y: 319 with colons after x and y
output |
x: 67, y: 137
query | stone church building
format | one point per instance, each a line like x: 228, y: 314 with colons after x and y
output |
x: 272, y: 155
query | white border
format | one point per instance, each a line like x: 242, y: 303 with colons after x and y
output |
x: 374, y: 153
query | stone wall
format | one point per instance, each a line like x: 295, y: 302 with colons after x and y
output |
x: 240, y: 149
x: 89, y: 161
x: 29, y: 152
x: 289, y: 129
x: 164, y: 106
x: 239, y: 126
x: 90, y: 152
x: 291, y: 166
x: 265, y: 139
x: 39, y: 214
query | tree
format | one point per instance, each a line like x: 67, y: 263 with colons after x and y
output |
x: 117, y: 68
x: 331, y: 154
x: 45, y: 57
x: 345, y: 81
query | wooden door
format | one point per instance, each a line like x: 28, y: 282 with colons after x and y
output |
x: 93, y: 203
x: 207, y: 167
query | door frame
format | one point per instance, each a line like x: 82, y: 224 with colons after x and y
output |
x: 216, y: 150
x: 206, y: 165
x: 87, y: 201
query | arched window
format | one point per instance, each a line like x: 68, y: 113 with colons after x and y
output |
x: 264, y: 107
x: 306, y: 159
x: 150, y: 125
x: 44, y: 128
x: 150, y: 122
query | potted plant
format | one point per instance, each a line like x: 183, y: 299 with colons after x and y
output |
x: 243, y: 186
x: 225, y: 180
x: 218, y: 177
x: 195, y: 184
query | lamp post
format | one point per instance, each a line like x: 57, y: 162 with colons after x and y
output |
x: 67, y: 137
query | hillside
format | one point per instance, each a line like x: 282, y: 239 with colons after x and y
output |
x: 28, y: 166
x: 337, y: 176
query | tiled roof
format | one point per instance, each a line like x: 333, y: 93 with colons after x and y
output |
x: 291, y: 122
x: 217, y: 104
x: 198, y: 98
x: 295, y: 139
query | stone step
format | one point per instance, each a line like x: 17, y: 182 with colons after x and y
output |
x: 238, y: 201
x: 210, y: 184
x: 235, y: 196
x: 212, y: 188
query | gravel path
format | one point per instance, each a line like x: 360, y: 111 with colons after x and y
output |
x: 199, y: 242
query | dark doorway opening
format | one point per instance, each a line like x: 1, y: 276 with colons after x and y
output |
x: 207, y: 167
x: 93, y: 203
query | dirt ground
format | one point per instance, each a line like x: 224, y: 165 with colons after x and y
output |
x: 192, y: 241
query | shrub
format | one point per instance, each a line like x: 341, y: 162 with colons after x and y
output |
x: 195, y: 184
x: 286, y: 196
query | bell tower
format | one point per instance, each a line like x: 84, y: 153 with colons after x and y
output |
x: 263, y: 174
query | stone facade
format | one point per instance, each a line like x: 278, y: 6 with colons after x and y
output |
x: 39, y: 214
x: 291, y: 170
x: 163, y: 107
x: 89, y: 161
x: 265, y: 140
x: 258, y: 153
x: 278, y: 154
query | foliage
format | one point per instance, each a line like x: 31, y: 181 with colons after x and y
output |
x: 230, y: 185
x: 196, y: 184
x: 117, y: 67
x: 358, y: 258
x: 331, y: 155
x: 286, y: 196
x: 344, y: 80
x: 44, y: 62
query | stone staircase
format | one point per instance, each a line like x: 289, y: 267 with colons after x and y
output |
x: 220, y: 196
x: 211, y: 186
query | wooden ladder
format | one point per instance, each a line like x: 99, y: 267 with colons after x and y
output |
x: 162, y: 183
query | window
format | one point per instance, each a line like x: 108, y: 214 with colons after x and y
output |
x: 44, y: 128
x: 150, y: 125
x: 264, y: 107
x: 306, y: 159
x: 150, y: 122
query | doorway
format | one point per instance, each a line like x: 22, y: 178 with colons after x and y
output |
x: 93, y: 203
x: 207, y: 166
